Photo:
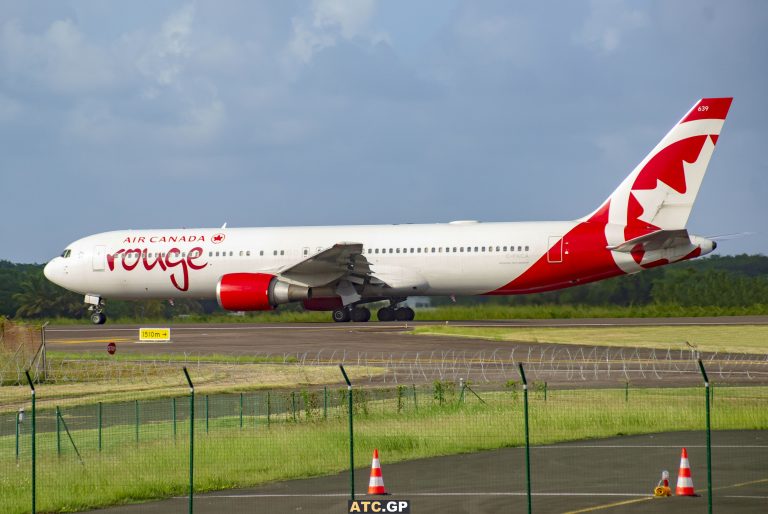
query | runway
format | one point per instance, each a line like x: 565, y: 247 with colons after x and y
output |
x: 402, y: 357
x: 609, y: 475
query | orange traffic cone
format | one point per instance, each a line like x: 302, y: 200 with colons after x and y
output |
x: 376, y: 483
x: 684, y: 481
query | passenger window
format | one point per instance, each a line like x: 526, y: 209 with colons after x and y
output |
x: 247, y: 253
x: 526, y: 248
x: 282, y: 252
x: 418, y: 250
x: 274, y: 252
x: 519, y: 248
x: 461, y: 249
x: 398, y: 250
x: 475, y: 248
x: 377, y: 250
x: 505, y: 248
x: 433, y: 249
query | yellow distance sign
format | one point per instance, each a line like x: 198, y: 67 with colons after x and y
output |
x: 154, y: 335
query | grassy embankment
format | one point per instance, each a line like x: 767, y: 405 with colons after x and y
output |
x: 710, y: 338
x: 95, y: 377
x: 228, y: 456
x: 461, y: 312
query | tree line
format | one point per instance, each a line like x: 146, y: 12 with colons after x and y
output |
x: 716, y: 281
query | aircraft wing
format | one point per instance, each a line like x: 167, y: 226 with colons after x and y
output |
x: 659, y: 240
x: 342, y: 260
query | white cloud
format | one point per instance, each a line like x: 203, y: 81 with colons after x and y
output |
x: 329, y: 20
x: 607, y: 23
x: 165, y: 56
x: 59, y: 58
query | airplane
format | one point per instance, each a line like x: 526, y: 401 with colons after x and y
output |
x: 641, y: 225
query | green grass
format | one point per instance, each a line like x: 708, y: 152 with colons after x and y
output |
x: 171, y: 357
x: 713, y: 338
x: 555, y: 311
x: 459, y: 312
x: 228, y: 456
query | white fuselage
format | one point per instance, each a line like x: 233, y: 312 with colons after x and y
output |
x: 459, y: 258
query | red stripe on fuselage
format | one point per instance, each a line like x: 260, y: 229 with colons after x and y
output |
x: 585, y: 259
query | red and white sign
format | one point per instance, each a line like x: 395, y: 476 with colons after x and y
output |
x: 111, y: 348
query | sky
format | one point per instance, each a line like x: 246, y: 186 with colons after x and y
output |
x: 117, y: 115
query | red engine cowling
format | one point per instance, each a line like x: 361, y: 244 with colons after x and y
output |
x: 256, y: 292
x: 245, y: 292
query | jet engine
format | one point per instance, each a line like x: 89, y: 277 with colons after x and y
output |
x: 256, y: 292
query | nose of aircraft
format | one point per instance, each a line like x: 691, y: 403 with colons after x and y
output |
x: 50, y: 271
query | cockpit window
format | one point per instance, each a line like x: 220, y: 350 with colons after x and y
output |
x: 66, y: 253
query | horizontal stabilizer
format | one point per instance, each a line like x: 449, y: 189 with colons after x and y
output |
x: 659, y: 240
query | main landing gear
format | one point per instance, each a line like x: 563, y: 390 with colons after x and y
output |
x: 361, y: 314
x: 357, y: 314
x: 396, y: 314
x: 97, y: 306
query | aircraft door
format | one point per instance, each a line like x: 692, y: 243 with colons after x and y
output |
x: 555, y: 252
x: 99, y: 257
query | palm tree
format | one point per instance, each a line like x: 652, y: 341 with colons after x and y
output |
x: 40, y: 298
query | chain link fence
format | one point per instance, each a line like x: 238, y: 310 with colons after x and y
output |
x: 448, y: 446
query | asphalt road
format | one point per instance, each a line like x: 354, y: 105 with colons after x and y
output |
x: 609, y: 475
x: 410, y: 358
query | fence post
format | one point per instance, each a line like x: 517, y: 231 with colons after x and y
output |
x: 58, y: 431
x: 351, y: 436
x: 293, y: 405
x: 709, y: 443
x: 527, y: 444
x: 19, y: 417
x: 174, y: 417
x: 136, y: 403
x: 34, y: 447
x: 325, y: 402
x: 269, y: 407
x: 545, y: 391
x: 206, y: 413
x: 626, y: 392
x: 462, y: 385
x: 191, y: 440
x: 100, y: 424
x: 415, y: 406
x: 241, y: 410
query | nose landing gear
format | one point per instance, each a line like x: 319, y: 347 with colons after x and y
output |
x: 97, y: 306
x: 98, y: 318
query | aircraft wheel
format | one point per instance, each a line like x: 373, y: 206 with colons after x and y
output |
x: 405, y: 314
x: 386, y: 314
x: 361, y: 314
x: 341, y: 315
x: 98, y: 318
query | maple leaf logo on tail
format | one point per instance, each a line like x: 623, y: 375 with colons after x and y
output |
x: 660, y: 192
